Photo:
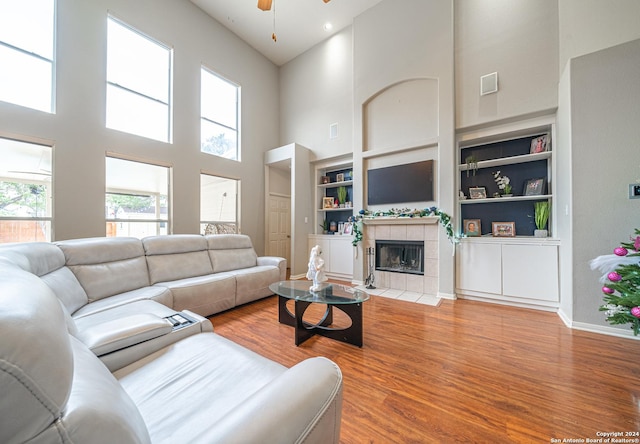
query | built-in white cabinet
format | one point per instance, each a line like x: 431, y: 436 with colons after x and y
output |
x: 337, y: 252
x: 521, y: 272
x: 501, y: 260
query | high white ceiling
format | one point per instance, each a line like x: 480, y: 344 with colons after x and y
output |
x: 298, y: 23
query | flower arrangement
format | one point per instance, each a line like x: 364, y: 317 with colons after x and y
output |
x: 621, y: 280
x: 444, y: 218
x: 504, y: 183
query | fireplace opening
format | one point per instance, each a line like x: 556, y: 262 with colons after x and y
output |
x: 400, y: 256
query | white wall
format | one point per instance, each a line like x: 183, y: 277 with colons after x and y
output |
x: 591, y: 25
x: 77, y: 128
x: 518, y: 39
x: 605, y: 105
x: 317, y: 91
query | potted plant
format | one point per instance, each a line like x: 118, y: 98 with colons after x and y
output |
x: 472, y: 164
x: 541, y: 217
x: 342, y: 196
x: 325, y: 226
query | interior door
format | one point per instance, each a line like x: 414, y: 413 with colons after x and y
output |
x: 280, y: 227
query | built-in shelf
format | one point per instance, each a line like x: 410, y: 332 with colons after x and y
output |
x: 507, y: 161
x: 504, y: 199
x: 344, y: 183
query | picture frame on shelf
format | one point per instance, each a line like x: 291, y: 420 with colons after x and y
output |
x: 327, y: 202
x: 534, y: 187
x: 478, y: 193
x: 472, y: 227
x: 503, y: 229
x: 325, y: 180
x: 539, y: 144
x: 348, y: 228
x: 340, y: 177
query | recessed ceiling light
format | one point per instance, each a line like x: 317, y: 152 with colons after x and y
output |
x: 327, y: 27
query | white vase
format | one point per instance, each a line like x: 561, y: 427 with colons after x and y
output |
x: 540, y: 233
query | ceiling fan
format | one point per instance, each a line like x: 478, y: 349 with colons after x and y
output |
x: 265, y: 5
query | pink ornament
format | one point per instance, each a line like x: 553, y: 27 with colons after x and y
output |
x: 636, y: 243
x: 608, y: 290
x: 614, y: 277
x: 636, y: 312
x: 620, y: 251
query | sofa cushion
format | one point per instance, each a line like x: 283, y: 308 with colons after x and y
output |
x: 38, y: 258
x: 204, y: 295
x: 95, y: 262
x: 170, y: 258
x: 230, y: 373
x: 253, y: 283
x: 153, y: 295
x: 47, y: 261
x: 36, y: 359
x: 231, y: 252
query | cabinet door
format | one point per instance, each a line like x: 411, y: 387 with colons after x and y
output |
x: 530, y: 271
x: 479, y: 267
x: 341, y: 256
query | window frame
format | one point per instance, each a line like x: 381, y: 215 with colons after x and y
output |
x: 237, y: 112
x: 159, y: 220
x: 205, y: 222
x: 48, y: 186
x: 39, y: 57
x: 137, y: 94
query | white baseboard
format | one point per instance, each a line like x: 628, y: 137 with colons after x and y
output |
x: 605, y: 330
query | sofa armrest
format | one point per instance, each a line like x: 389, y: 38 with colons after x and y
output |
x: 279, y: 262
x: 302, y: 405
x: 123, y: 332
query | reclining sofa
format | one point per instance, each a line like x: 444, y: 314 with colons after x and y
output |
x: 104, y: 340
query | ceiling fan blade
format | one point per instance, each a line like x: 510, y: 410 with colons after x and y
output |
x: 264, y: 5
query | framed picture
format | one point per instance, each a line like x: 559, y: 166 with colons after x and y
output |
x: 478, y: 193
x: 340, y: 177
x: 348, y: 228
x: 540, y: 144
x: 327, y: 202
x: 534, y: 187
x: 503, y: 229
x: 472, y: 227
x: 325, y: 180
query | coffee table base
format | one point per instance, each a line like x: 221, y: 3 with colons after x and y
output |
x: 304, y: 330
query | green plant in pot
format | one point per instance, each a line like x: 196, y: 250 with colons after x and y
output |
x: 342, y: 195
x: 541, y: 217
x: 325, y: 226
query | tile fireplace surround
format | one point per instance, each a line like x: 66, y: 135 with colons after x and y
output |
x: 403, y: 229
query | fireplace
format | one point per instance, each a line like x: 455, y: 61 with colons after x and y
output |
x: 400, y: 256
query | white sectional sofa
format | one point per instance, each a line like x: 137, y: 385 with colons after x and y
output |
x: 104, y: 340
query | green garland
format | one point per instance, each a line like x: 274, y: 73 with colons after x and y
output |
x: 445, y: 220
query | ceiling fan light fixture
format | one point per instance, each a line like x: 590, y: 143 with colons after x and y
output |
x: 264, y: 5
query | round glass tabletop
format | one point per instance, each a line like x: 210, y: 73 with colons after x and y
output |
x: 328, y: 294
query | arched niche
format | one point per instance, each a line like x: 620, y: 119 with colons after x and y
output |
x: 404, y: 114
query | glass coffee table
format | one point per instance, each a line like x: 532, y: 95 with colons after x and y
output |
x: 347, y: 299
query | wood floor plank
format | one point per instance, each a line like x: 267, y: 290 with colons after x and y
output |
x: 464, y: 371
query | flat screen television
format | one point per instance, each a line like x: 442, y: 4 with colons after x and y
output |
x: 411, y: 182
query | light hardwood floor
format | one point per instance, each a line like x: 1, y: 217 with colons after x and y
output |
x: 462, y: 372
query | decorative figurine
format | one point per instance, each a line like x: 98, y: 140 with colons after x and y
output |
x: 316, y: 268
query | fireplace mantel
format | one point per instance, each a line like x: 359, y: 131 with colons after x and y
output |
x: 427, y: 220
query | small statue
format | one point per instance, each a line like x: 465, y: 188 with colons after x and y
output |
x: 316, y: 268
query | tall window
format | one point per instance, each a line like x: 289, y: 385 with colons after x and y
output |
x: 218, y: 205
x: 137, y: 198
x: 219, y: 103
x: 138, y: 83
x: 25, y: 192
x: 27, y: 53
